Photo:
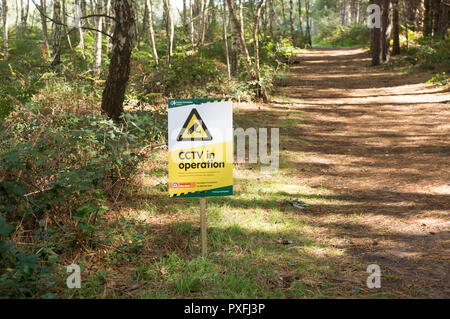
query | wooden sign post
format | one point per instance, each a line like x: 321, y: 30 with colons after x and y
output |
x: 203, y: 226
x: 200, y: 152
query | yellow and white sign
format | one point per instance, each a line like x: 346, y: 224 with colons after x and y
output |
x: 200, y: 147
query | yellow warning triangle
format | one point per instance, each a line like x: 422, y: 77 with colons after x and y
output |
x: 194, y: 129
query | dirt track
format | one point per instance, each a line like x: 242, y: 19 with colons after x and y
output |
x: 380, y: 141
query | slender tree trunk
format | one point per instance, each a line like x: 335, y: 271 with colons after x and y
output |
x: 386, y: 21
x: 291, y: 17
x: 283, y: 17
x: 78, y: 13
x: 24, y: 16
x: 151, y: 32
x: 235, y: 47
x: 241, y: 16
x: 57, y: 33
x: 274, y: 27
x: 428, y: 19
x: 300, y: 19
x: 225, y: 39
x: 17, y: 15
x: 396, y: 28
x: 260, y: 92
x: 264, y: 19
x: 375, y: 40
x: 436, y: 16
x: 191, y: 22
x: 184, y: 17
x: 411, y: 14
x: 5, y: 30
x: 308, y: 23
x: 342, y: 12
x: 83, y: 8
x: 144, y: 25
x: 64, y: 21
x: 204, y: 20
x: 119, y: 67
x: 244, y: 50
x: 358, y: 11
x: 443, y: 21
x: 98, y: 40
x: 170, y: 30
x: 42, y: 11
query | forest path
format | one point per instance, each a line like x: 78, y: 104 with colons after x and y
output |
x: 380, y: 143
x: 366, y: 149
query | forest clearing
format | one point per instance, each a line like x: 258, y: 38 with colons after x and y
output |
x: 364, y: 149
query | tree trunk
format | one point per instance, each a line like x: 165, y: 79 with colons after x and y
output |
x: 386, y: 20
x: 428, y: 19
x: 443, y: 21
x: 24, y: 16
x: 300, y: 19
x: 291, y: 17
x: 98, y: 40
x: 412, y: 13
x: 119, y: 67
x: 308, y: 22
x: 375, y: 40
x: 358, y: 11
x: 170, y: 30
x: 241, y: 16
x: 42, y: 11
x: 57, y: 33
x: 151, y: 32
x: 260, y: 90
x: 274, y: 27
x: 204, y: 20
x: 225, y: 39
x: 191, y: 22
x: 5, y: 30
x: 436, y: 16
x: 78, y: 13
x: 396, y: 28
x: 342, y: 13
x: 184, y: 17
x: 237, y: 26
x: 234, y: 57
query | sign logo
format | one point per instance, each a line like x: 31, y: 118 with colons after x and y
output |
x: 194, y: 129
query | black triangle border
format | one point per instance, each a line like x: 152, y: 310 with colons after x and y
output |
x: 194, y: 112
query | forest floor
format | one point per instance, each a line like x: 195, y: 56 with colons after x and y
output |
x: 367, y: 149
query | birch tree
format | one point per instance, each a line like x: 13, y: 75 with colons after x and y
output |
x: 169, y: 30
x: 260, y: 91
x: 98, y: 38
x: 151, y: 32
x: 238, y: 29
x: 119, y: 67
x: 57, y: 33
x: 24, y: 16
x: 5, y: 30
x: 225, y: 39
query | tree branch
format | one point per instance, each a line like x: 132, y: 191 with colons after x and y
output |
x: 72, y: 29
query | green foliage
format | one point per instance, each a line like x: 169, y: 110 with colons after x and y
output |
x: 16, y: 87
x: 430, y: 54
x: 21, y: 274
x: 60, y: 169
x: 440, y: 79
x: 342, y: 35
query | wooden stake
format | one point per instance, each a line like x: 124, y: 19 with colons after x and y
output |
x: 203, y: 225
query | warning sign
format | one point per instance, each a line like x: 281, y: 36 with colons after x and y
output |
x: 194, y: 129
x: 200, y: 147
